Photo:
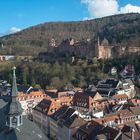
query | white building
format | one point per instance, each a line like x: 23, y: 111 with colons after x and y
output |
x: 29, y: 101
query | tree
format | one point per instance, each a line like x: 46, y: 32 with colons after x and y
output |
x: 56, y: 83
x: 25, y: 75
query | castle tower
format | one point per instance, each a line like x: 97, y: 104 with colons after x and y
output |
x: 14, y: 118
x: 99, y: 49
x: 103, y: 50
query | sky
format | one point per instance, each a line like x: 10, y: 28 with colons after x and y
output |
x: 16, y: 15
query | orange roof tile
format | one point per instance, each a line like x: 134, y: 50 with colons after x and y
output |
x: 124, y: 113
x: 120, y: 96
x: 35, y: 93
x: 78, y: 88
x: 107, y: 119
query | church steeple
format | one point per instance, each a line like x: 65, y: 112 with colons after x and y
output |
x: 14, y: 117
x: 14, y: 85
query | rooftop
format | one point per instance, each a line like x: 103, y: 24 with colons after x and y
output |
x: 27, y: 131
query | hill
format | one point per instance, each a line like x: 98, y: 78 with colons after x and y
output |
x: 123, y: 30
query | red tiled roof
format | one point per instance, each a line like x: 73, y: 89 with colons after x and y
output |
x: 135, y: 101
x: 124, y: 113
x: 120, y: 96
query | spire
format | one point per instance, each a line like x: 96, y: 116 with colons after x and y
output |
x: 14, y: 86
x: 14, y: 117
x: 15, y: 106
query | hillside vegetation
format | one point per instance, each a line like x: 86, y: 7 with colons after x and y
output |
x: 121, y: 29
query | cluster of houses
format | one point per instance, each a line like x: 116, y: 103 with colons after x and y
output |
x: 106, y: 110
x: 28, y: 96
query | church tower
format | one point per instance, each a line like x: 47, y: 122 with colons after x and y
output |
x: 14, y: 118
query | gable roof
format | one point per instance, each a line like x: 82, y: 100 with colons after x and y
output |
x: 129, y: 129
x: 23, y: 88
x: 135, y: 110
x: 69, y: 112
x: 74, y: 121
x: 59, y: 112
x: 89, y: 130
x: 43, y: 106
x: 108, y: 83
x: 68, y: 117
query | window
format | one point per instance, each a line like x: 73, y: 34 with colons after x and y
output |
x: 20, y: 119
x: 14, y: 121
x: 77, y: 135
x: 83, y: 138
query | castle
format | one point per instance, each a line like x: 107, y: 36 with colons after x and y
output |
x: 103, y: 50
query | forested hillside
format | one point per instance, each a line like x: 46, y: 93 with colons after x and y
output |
x: 121, y: 29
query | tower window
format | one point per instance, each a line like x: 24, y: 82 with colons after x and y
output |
x: 14, y: 121
x: 20, y: 119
